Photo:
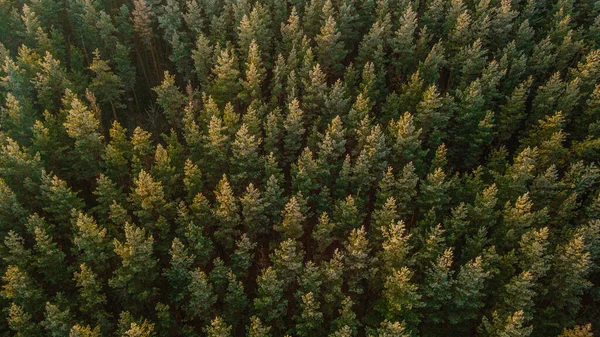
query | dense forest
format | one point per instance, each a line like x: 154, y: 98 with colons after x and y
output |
x: 341, y: 168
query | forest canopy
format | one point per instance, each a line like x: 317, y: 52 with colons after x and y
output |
x: 339, y: 168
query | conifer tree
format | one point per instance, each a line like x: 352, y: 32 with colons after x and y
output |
x: 330, y: 48
x: 235, y: 300
x: 468, y: 293
x: 512, y: 325
x: 178, y: 274
x: 106, y: 85
x: 243, y: 256
x: 287, y: 261
x: 216, y: 146
x: 292, y: 225
x: 90, y: 294
x: 133, y: 279
x: 401, y: 296
x: 226, y: 213
x: 246, y: 165
x: 254, y: 75
x: 169, y: 98
x: 269, y: 303
x: 91, y: 243
x: 84, y: 331
x: 58, y: 199
x: 388, y: 329
x: 396, y: 247
x: 323, y: 233
x: 571, y: 264
x: 84, y: 127
x: 202, y: 56
x: 357, y: 260
x: 21, y: 322
x: 257, y: 329
x: 294, y: 129
x: 201, y: 296
x: 310, y: 319
x: 225, y: 86
x: 218, y: 328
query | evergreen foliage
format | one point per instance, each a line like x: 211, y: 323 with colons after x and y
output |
x: 261, y: 168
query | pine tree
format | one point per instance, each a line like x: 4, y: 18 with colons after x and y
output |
x: 292, y: 225
x: 294, y: 131
x: 92, y: 247
x: 578, y: 331
x: 309, y: 281
x: 389, y: 329
x: 346, y: 322
x: 533, y: 253
x: 243, y: 256
x: 437, y: 289
x: 305, y: 174
x: 273, y: 199
x: 178, y: 274
x: 16, y: 253
x: 170, y: 99
x: 253, y: 211
x: 287, y: 261
x: 256, y: 26
x: 201, y: 296
x: 469, y: 294
x: 401, y: 296
x: 357, y: 260
x: 58, y: 199
x: 323, y: 233
x: 117, y: 154
x: 512, y: 325
x: 50, y: 82
x: 21, y: 322
x: 107, y: 86
x: 235, y: 300
x: 225, y: 86
x: 12, y: 213
x: 17, y: 118
x: 310, y: 319
x: 246, y: 163
x: 431, y: 117
x: 330, y: 48
x: 434, y: 191
x: 291, y: 32
x: 48, y: 258
x: 216, y: 148
x: 90, y: 295
x: 84, y: 127
x: 218, y: 328
x: 133, y: 279
x: 257, y: 329
x: 517, y: 295
x: 403, y: 41
x: 269, y: 303
x: 226, y: 213
x: 202, y: 56
x: 255, y: 74
x: 148, y: 195
x: 571, y: 265
x: 145, y: 329
x: 84, y: 331
x: 396, y: 247
x: 332, y: 147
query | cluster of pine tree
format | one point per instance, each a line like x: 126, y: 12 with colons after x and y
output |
x: 306, y: 168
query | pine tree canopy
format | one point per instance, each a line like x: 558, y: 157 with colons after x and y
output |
x: 301, y: 168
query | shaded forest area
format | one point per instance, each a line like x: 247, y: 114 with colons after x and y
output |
x: 340, y: 168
